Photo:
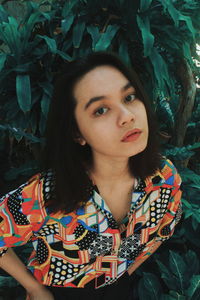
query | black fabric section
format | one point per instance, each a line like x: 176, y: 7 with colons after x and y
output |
x: 156, y: 179
x: 121, y: 289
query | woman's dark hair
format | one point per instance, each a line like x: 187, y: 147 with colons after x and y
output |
x: 66, y: 158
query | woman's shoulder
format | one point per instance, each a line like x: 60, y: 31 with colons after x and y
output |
x: 41, y: 176
x: 31, y: 186
x: 169, y: 172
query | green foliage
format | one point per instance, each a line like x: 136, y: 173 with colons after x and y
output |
x: 153, y: 36
x: 180, y: 274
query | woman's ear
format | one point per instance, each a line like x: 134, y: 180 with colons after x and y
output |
x: 80, y: 140
x: 77, y: 136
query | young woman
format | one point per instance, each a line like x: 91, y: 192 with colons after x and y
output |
x: 105, y: 198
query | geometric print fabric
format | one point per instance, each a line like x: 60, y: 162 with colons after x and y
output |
x: 87, y: 248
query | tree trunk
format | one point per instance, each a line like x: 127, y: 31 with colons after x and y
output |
x: 186, y: 105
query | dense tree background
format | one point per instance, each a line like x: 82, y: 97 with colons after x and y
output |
x: 156, y: 37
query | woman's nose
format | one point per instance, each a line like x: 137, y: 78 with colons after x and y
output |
x: 125, y: 116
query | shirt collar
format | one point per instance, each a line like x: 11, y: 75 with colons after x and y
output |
x: 140, y: 188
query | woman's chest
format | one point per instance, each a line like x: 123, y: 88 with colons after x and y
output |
x: 119, y: 205
x: 118, y: 200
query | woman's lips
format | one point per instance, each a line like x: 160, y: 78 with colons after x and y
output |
x: 132, y: 135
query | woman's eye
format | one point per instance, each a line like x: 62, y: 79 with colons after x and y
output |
x: 99, y: 111
x: 130, y: 97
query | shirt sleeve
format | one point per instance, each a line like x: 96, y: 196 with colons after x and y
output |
x: 19, y: 214
x: 174, y: 208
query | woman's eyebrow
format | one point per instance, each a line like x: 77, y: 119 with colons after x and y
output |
x: 98, y: 98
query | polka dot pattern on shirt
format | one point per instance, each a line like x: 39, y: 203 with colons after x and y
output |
x: 49, y: 229
x: 87, y: 239
x: 15, y: 207
x: 48, y: 184
x: 42, y: 251
x: 61, y: 270
x: 158, y: 207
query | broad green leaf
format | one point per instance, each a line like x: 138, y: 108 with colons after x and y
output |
x: 3, y: 14
x: 188, y: 214
x: 24, y: 170
x: 64, y: 55
x: 106, y: 38
x: 178, y: 267
x: 21, y: 133
x: 177, y: 16
x: 67, y: 9
x: 149, y: 287
x: 170, y: 281
x: 187, y: 52
x: 23, y: 89
x: 66, y: 23
x: 166, y: 297
x: 163, y: 268
x: 78, y: 31
x: 45, y: 102
x: 167, y: 276
x: 194, y: 146
x: 195, y: 224
x: 22, y: 68
x: 193, y: 125
x: 194, y: 287
x: 144, y: 4
x: 28, y: 27
x: 33, y: 5
x: 188, y: 175
x: 13, y: 22
x: 8, y: 282
x: 147, y: 36
x: 95, y: 34
x: 173, y: 12
x: 46, y: 15
x: 159, y: 67
x: 196, y: 215
x: 188, y: 21
x: 143, y: 293
x: 2, y: 60
x: 176, y: 296
x: 196, y: 186
x: 47, y: 88
x: 152, y: 284
x: 11, y: 35
x: 33, y: 18
x: 183, y: 153
x: 123, y: 52
x: 192, y: 262
x: 51, y: 43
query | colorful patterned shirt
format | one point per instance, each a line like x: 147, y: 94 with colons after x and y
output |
x: 87, y: 247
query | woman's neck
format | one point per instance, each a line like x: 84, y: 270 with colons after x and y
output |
x: 110, y: 180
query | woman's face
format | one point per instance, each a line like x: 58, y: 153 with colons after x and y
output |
x: 107, y: 108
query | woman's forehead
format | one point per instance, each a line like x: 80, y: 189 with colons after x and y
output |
x: 102, y: 79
